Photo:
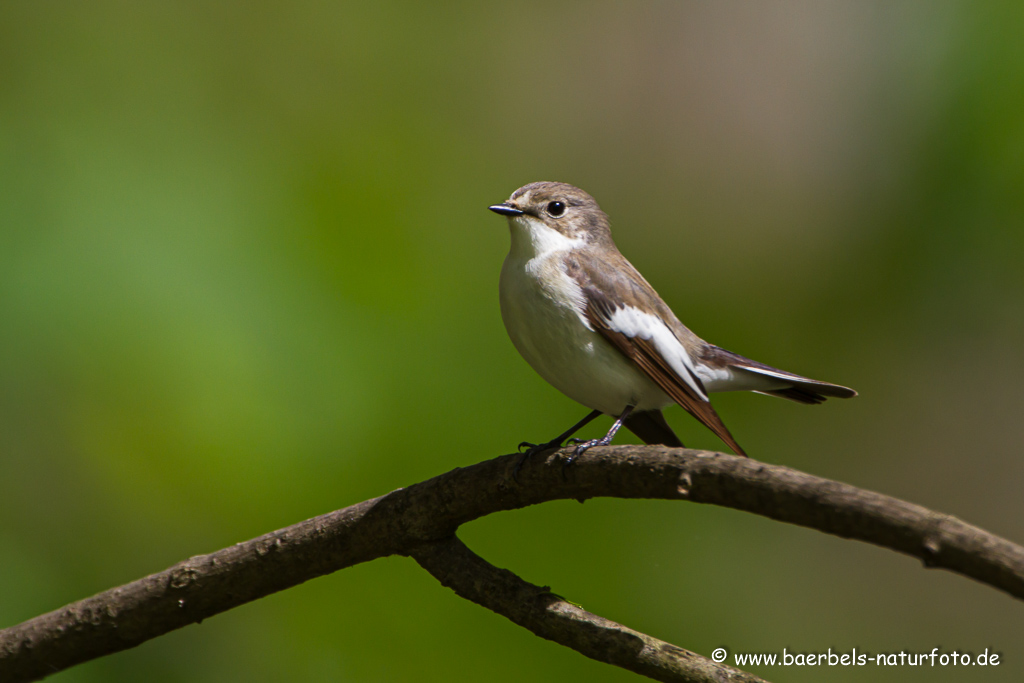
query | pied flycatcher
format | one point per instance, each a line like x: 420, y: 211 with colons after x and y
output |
x: 590, y: 325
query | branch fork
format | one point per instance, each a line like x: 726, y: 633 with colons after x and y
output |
x: 421, y: 520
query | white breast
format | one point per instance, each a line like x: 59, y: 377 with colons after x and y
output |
x: 543, y: 311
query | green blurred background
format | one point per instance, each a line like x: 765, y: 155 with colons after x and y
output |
x: 247, y: 276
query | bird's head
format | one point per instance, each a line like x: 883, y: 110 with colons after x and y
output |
x: 552, y: 215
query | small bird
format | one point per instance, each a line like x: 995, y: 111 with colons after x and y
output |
x: 586, y: 320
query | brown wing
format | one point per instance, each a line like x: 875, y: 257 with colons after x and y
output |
x: 646, y: 356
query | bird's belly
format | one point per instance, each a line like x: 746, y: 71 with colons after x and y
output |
x: 545, y: 327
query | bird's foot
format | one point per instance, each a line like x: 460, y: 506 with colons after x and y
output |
x: 582, y: 446
x: 531, y: 450
x: 535, y: 448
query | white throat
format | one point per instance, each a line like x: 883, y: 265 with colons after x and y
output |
x: 531, y: 239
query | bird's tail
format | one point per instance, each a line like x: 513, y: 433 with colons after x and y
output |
x: 791, y: 386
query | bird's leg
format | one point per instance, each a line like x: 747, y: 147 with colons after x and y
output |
x: 533, y: 448
x: 557, y: 441
x: 582, y: 446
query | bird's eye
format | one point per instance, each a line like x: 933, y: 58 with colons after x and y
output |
x: 556, y: 209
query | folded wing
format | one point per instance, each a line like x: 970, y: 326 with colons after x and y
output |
x: 645, y: 339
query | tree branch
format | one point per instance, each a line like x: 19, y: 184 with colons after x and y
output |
x: 550, y: 616
x: 403, y: 521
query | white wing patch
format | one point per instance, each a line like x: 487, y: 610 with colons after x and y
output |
x: 633, y: 322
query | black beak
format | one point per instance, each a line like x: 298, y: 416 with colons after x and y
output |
x: 506, y: 210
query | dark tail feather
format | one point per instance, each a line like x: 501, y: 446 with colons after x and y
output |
x: 651, y: 427
x: 801, y: 389
x: 798, y: 394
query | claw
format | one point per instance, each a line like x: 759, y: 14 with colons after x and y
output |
x: 584, y: 446
x: 554, y: 444
x: 531, y: 450
x: 581, y: 448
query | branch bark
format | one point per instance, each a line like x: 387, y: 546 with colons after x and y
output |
x: 549, y: 616
x: 408, y: 521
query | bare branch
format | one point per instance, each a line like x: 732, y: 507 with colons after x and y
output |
x: 405, y: 519
x: 549, y: 616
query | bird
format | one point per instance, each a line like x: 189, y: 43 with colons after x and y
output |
x: 589, y: 324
